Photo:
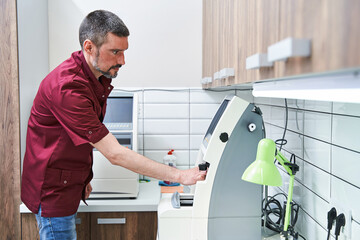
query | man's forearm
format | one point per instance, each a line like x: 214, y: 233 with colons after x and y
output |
x: 119, y: 155
x: 145, y: 166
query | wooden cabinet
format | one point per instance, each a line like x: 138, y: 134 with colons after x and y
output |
x: 83, y: 226
x: 29, y: 227
x: 261, y: 31
x: 112, y: 226
x: 236, y: 29
x: 331, y: 25
x: 124, y: 225
x: 220, y: 33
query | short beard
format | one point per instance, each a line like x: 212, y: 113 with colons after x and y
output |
x: 105, y: 73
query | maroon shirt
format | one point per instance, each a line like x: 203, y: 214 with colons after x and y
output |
x: 66, y: 115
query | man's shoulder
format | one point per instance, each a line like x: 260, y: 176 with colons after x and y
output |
x: 69, y: 72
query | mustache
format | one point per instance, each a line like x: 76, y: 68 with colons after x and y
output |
x: 115, y: 66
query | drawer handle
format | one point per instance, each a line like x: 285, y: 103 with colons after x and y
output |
x: 217, y: 76
x: 111, y: 220
x: 227, y: 72
x: 257, y: 61
x: 206, y: 80
x: 289, y: 47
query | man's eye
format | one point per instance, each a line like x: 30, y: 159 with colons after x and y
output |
x: 115, y: 52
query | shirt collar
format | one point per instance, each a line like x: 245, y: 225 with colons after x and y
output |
x: 101, y: 87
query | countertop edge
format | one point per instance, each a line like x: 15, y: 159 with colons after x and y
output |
x: 147, y: 201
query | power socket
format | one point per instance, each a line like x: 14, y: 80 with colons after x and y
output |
x: 345, y: 232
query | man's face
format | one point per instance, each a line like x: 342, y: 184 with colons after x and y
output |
x: 110, y: 56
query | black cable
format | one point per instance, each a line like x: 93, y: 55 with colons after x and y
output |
x: 340, y: 222
x: 272, y: 209
x: 277, y: 211
x: 302, y: 236
x: 282, y: 141
x: 331, y: 216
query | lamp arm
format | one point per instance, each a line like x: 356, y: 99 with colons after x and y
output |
x: 282, y: 160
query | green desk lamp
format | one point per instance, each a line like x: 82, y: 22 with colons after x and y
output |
x: 263, y: 171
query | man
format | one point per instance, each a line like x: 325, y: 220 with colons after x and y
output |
x: 66, y: 123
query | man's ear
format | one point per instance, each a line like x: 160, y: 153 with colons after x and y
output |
x: 88, y: 46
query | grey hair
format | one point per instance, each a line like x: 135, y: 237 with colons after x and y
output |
x: 98, y: 24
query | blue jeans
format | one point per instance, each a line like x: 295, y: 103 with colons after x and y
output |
x: 56, y: 228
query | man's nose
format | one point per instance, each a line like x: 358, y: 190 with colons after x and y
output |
x: 121, y: 59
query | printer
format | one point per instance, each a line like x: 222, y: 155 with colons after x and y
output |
x: 223, y: 206
x: 111, y: 181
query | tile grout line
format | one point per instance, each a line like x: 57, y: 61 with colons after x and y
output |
x: 331, y: 147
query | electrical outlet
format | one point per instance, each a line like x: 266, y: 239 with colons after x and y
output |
x: 345, y: 232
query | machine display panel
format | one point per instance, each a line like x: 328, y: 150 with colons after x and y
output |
x: 214, y: 122
x: 119, y: 113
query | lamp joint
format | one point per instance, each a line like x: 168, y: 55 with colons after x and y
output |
x: 293, y: 167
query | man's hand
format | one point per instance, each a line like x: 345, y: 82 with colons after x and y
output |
x: 88, y: 190
x: 192, y: 175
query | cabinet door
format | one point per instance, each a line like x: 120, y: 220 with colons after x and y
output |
x: 219, y: 39
x: 234, y: 30
x: 262, y: 30
x: 30, y: 231
x: 29, y: 227
x: 332, y: 26
x: 207, y: 39
x: 124, y: 226
x: 226, y: 36
x: 83, y: 226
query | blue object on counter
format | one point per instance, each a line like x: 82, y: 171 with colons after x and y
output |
x: 162, y: 183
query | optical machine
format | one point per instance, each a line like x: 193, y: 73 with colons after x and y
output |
x: 223, y: 206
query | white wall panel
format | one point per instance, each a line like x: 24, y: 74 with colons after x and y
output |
x: 159, y: 142
x: 170, y: 111
x: 330, y: 173
x: 166, y: 126
x: 346, y: 132
x: 345, y: 165
x: 164, y: 43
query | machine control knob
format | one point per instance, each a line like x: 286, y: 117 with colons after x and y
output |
x: 204, y: 166
x: 224, y: 137
x: 252, y: 127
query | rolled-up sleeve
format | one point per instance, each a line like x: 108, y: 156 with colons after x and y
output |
x: 77, y: 113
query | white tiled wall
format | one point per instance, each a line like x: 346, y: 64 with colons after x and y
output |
x: 175, y: 119
x: 325, y: 138
x: 323, y: 135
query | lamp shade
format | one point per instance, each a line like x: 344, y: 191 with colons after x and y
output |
x: 263, y: 170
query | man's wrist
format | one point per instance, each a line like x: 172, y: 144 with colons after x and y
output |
x: 178, y: 176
